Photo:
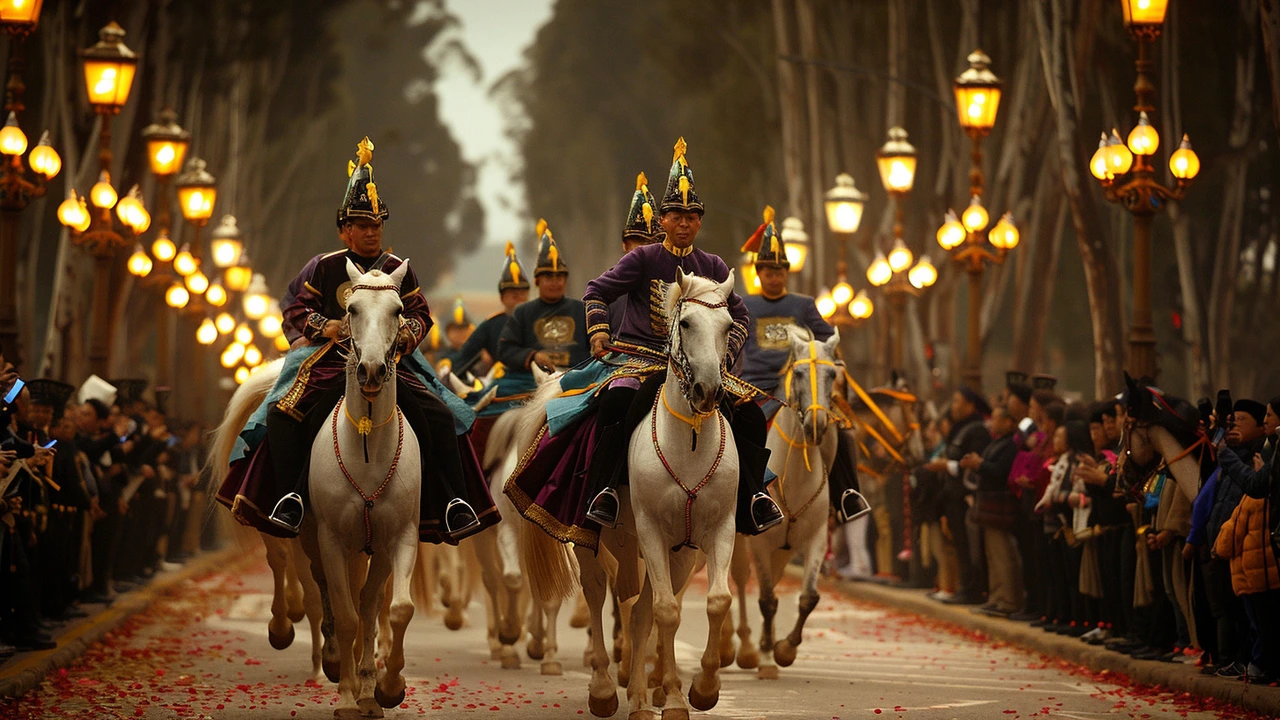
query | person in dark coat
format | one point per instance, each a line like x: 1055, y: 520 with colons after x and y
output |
x: 995, y: 511
x: 968, y: 435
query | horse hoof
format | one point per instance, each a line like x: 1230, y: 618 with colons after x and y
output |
x: 784, y: 652
x: 510, y: 661
x: 603, y: 707
x: 675, y: 714
x: 700, y: 701
x: 642, y: 715
x: 552, y: 667
x: 280, y: 642
x: 453, y: 619
x: 767, y: 672
x: 348, y: 714
x: 495, y: 653
x: 748, y: 659
x: 535, y: 649
x: 332, y: 670
x: 369, y: 708
x: 387, y: 701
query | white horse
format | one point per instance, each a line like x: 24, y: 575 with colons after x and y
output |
x: 802, y: 444
x: 365, y: 483
x: 295, y: 594
x: 682, y: 494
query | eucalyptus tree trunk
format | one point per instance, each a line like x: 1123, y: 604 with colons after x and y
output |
x: 791, y: 106
x: 1270, y: 19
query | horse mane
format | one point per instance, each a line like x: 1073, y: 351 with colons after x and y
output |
x: 1151, y: 405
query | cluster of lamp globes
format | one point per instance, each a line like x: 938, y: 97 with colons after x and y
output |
x: 44, y: 160
x: 1114, y: 158
x: 955, y: 230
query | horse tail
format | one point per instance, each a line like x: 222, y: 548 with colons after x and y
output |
x: 548, y: 564
x: 501, y: 440
x: 246, y: 400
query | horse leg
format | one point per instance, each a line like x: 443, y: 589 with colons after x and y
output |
x: 280, y: 626
x: 785, y: 650
x: 602, y: 694
x: 330, y: 657
x: 312, y: 604
x: 346, y: 624
x: 536, y: 647
x: 617, y: 624
x: 510, y: 629
x: 641, y: 624
x: 487, y: 552
x: 384, y: 625
x: 371, y: 594
x: 390, y: 689
x: 704, y: 691
x: 550, y: 664
x: 581, y: 616
x: 295, y: 594
x: 740, y: 568
x: 769, y: 565
x: 666, y: 611
x: 422, y: 588
x: 451, y: 590
x: 626, y: 613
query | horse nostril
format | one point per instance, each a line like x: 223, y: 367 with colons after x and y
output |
x: 362, y: 375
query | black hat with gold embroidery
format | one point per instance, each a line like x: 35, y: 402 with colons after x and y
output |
x: 766, y: 242
x: 362, y: 199
x: 513, y: 275
x: 680, y: 194
x: 549, y: 259
x: 641, y: 223
x: 458, y: 317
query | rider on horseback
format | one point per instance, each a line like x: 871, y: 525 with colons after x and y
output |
x: 768, y: 349
x: 454, y: 498
x: 641, y: 277
x: 550, y: 330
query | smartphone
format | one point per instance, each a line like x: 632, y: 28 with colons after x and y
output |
x: 49, y: 445
x: 1218, y: 434
x: 1026, y: 425
x: 13, y: 392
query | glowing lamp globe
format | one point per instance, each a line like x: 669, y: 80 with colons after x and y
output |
x: 1119, y: 158
x: 206, y: 334
x: 238, y: 277
x: 975, y: 216
x: 1005, y: 234
x: 252, y: 356
x: 139, y: 264
x: 951, y: 235
x: 861, y: 307
x: 796, y: 241
x: 102, y: 195
x: 1184, y: 163
x: 226, y: 244
x: 272, y: 324
x: 977, y: 92
x: 844, y: 204
x: 256, y: 300
x: 923, y: 275
x: 1143, y: 138
x: 44, y: 160
x: 232, y: 355
x: 197, y: 282
x: 826, y: 304
x: 1098, y: 164
x: 109, y: 67
x: 243, y: 334
x: 167, y: 144
x: 242, y: 375
x: 842, y: 293
x: 162, y: 247
x: 1144, y: 12
x: 879, y: 273
x: 216, y: 295
x: 184, y: 263
x: 197, y: 191
x: 224, y: 323
x: 281, y: 343
x: 177, y: 296
x: 132, y: 213
x: 900, y: 257
x: 20, y: 16
x: 896, y: 160
x: 747, y: 271
x: 72, y: 212
x: 13, y: 141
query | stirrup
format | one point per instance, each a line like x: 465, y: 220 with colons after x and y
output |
x: 604, y: 508
x: 761, y: 498
x: 857, y: 500
x: 468, y: 527
x: 276, y: 518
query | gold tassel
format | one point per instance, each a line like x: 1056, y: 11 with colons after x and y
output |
x: 511, y: 249
x: 351, y: 168
x: 554, y: 254
x: 373, y: 196
x: 641, y: 181
x: 364, y: 426
x: 647, y: 211
x: 773, y: 246
x: 515, y: 272
x: 541, y: 228
x: 684, y: 190
x: 459, y: 312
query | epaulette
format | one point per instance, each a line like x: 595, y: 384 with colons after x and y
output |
x: 326, y: 256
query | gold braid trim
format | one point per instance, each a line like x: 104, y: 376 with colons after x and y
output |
x: 287, y: 403
x: 538, y: 515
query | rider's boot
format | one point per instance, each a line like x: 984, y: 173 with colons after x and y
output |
x: 757, y: 511
x: 602, y: 476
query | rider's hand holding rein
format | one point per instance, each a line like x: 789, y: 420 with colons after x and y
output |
x: 597, y: 344
x: 333, y: 330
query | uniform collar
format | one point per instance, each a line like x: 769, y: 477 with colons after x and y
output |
x: 678, y: 252
x: 774, y: 299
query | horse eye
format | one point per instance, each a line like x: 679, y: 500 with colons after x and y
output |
x: 684, y: 324
x: 353, y: 310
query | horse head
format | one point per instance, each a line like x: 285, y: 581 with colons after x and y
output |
x: 1151, y: 411
x: 373, y: 323
x: 809, y: 378
x: 699, y: 337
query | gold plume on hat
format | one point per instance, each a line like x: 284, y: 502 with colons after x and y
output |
x: 459, y: 313
x: 681, y: 146
x: 554, y: 254
x: 646, y: 209
x: 373, y: 196
x: 768, y: 214
x: 364, y: 151
x: 511, y: 249
x: 351, y: 168
x: 684, y: 189
x: 514, y: 266
x: 642, y: 183
x: 541, y: 227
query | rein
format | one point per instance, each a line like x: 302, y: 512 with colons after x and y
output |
x: 368, y: 499
x: 692, y: 494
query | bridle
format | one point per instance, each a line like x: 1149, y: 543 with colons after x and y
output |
x: 1157, y: 464
x: 681, y: 367
x: 789, y: 375
x: 804, y: 444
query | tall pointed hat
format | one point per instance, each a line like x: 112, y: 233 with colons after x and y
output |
x: 549, y: 259
x: 680, y: 194
x: 362, y: 199
x: 766, y: 242
x: 642, y: 224
x: 513, y: 275
x: 458, y: 316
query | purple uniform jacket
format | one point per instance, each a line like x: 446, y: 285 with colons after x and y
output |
x: 319, y: 294
x: 640, y: 278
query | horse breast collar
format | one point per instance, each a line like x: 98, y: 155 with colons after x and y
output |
x: 691, y: 493
x: 395, y: 461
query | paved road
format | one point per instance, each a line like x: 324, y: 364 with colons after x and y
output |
x: 202, y: 653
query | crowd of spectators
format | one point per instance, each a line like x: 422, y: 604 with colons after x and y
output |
x: 99, y: 491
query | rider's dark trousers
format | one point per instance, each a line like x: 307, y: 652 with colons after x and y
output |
x: 622, y: 409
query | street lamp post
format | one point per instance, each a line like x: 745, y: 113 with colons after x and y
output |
x: 109, y: 67
x: 977, y: 92
x: 844, y: 205
x: 1142, y: 195
x: 197, y: 192
x: 16, y: 190
x: 896, y: 161
x: 167, y: 146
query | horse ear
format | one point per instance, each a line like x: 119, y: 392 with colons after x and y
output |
x: 726, y: 287
x: 833, y: 342
x: 539, y: 375
x: 398, y: 274
x: 674, y: 292
x: 353, y: 272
